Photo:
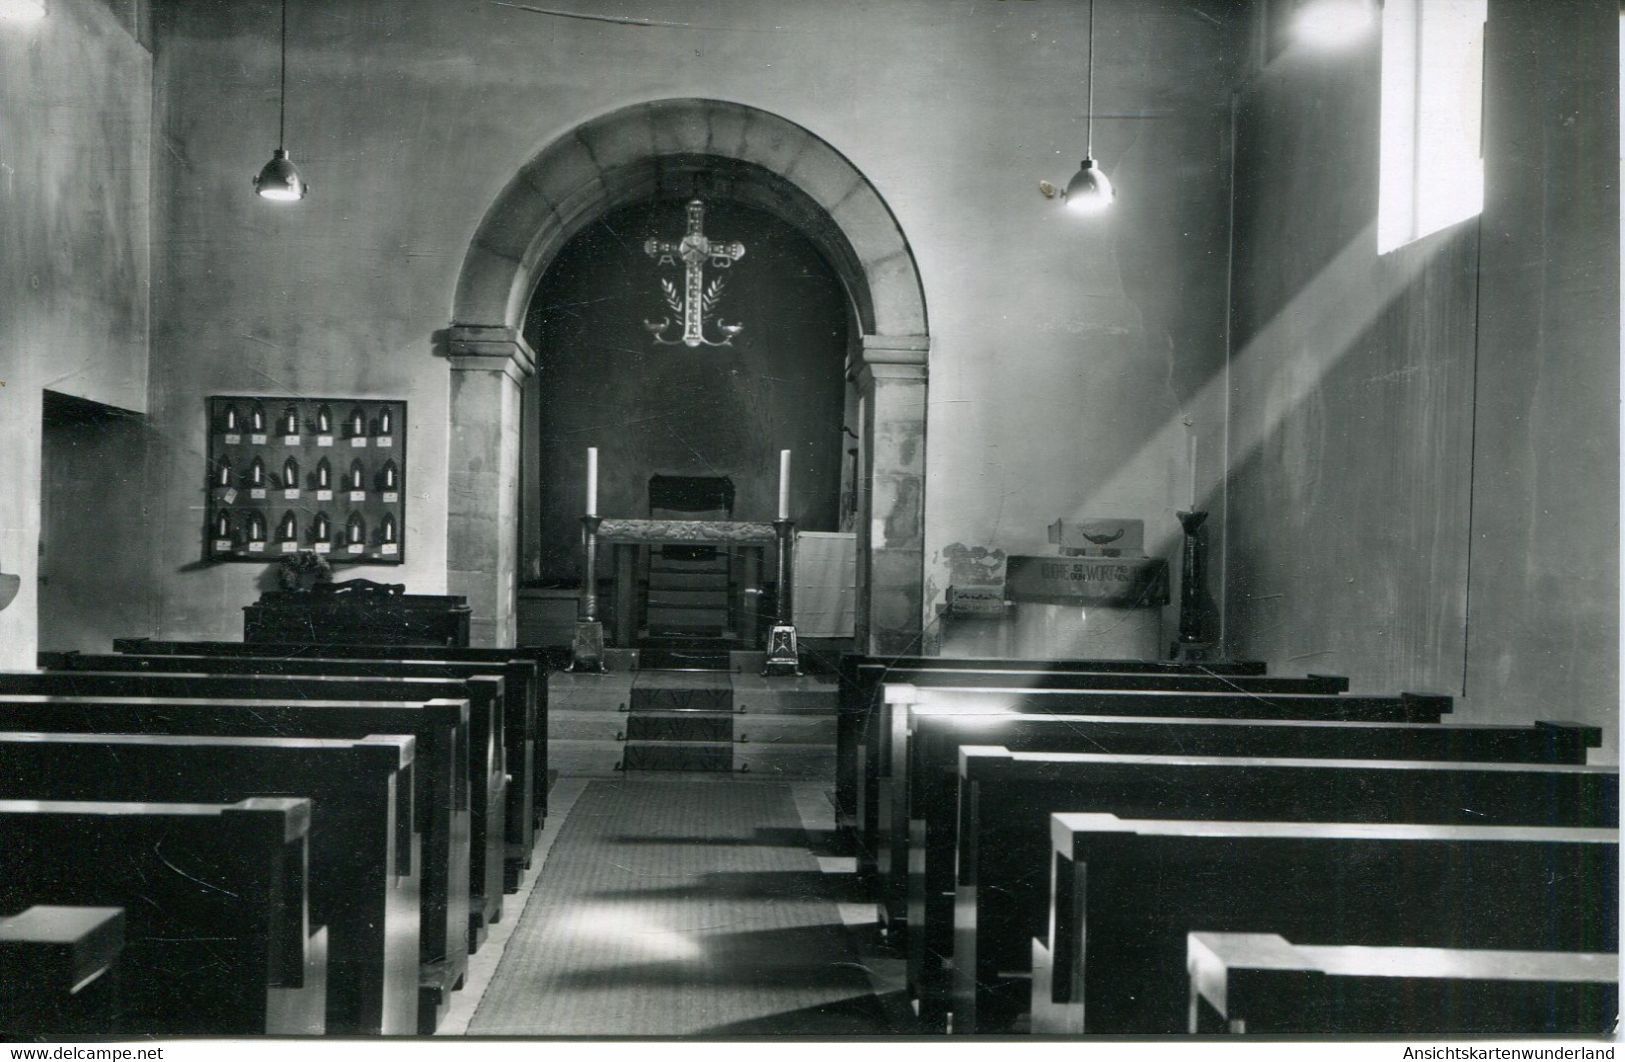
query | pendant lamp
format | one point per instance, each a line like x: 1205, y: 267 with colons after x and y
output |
x: 279, y: 180
x: 1089, y: 191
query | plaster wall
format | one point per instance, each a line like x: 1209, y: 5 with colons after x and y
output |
x: 1362, y: 512
x: 1064, y: 353
x: 75, y: 137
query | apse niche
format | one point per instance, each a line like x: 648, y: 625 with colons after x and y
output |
x: 626, y: 365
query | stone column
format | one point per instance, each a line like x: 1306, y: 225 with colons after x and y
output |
x: 489, y: 364
x: 891, y: 380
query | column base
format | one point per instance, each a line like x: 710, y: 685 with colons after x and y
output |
x: 783, y: 655
x: 587, y: 649
x: 1190, y: 652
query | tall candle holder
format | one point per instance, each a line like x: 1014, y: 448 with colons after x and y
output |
x: 1194, y: 604
x: 587, y: 649
x: 783, y: 654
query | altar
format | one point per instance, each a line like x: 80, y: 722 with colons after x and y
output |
x: 739, y: 544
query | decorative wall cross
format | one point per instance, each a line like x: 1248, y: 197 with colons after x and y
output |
x: 698, y: 298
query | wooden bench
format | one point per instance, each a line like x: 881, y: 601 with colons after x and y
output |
x: 900, y: 697
x: 59, y: 973
x: 525, y: 668
x: 1138, y: 887
x: 1005, y: 799
x: 218, y: 940
x: 364, y: 852
x: 857, y: 740
x: 927, y: 777
x: 484, y: 764
x: 440, y: 803
x: 1261, y: 984
x: 519, y: 820
x: 876, y: 753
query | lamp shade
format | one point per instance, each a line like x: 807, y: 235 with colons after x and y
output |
x: 279, y: 180
x: 1089, y: 191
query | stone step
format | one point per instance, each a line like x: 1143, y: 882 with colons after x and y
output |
x: 678, y: 756
x: 680, y: 726
x: 785, y: 761
x: 667, y: 699
x: 687, y: 659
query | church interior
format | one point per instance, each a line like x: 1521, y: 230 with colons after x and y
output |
x: 809, y: 518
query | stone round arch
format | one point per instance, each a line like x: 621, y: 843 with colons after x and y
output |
x: 714, y: 149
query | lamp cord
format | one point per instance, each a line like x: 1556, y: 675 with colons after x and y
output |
x: 282, y: 85
x: 1089, y: 93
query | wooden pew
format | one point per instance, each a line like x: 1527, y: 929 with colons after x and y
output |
x: 364, y: 852
x: 218, y: 940
x: 518, y: 814
x: 59, y: 972
x: 486, y: 774
x: 440, y: 803
x: 1006, y: 798
x: 900, y: 697
x: 1260, y: 984
x: 875, y: 754
x: 1138, y: 887
x: 927, y: 777
x: 860, y: 678
x: 526, y: 668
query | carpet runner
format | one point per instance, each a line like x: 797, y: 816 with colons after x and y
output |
x: 681, y: 908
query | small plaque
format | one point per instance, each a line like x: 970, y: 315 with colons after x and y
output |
x: 290, y: 440
x: 291, y: 493
x: 233, y: 439
x: 257, y: 440
x: 358, y: 495
x: 359, y: 442
x: 1128, y: 582
x: 391, y: 496
x: 324, y: 440
x: 324, y: 495
x: 355, y: 547
x: 256, y: 547
x: 290, y: 547
x: 230, y: 495
x: 324, y: 547
x: 386, y: 441
x: 389, y: 549
x: 257, y: 492
x: 223, y: 544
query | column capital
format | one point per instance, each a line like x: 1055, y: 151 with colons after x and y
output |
x: 488, y: 348
x: 891, y: 358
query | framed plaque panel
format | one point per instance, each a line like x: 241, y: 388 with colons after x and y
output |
x: 291, y: 474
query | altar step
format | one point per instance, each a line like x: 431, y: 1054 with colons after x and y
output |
x: 764, y: 727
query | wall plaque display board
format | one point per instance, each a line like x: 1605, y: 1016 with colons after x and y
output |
x: 320, y: 474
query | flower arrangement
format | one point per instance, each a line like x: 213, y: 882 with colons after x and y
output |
x: 304, y: 571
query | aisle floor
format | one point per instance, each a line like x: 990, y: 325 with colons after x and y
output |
x: 685, y: 905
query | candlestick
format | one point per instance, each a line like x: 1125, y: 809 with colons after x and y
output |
x: 592, y: 481
x: 1193, y: 471
x: 784, y: 484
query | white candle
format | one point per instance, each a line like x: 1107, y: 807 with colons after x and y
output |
x: 592, y: 481
x: 1193, y: 471
x: 784, y: 484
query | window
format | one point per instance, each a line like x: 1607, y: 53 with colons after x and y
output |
x: 1432, y: 171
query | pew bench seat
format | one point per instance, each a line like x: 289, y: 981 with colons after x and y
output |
x: 59, y: 971
x: 1261, y: 984
x: 218, y: 939
x: 1135, y: 889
